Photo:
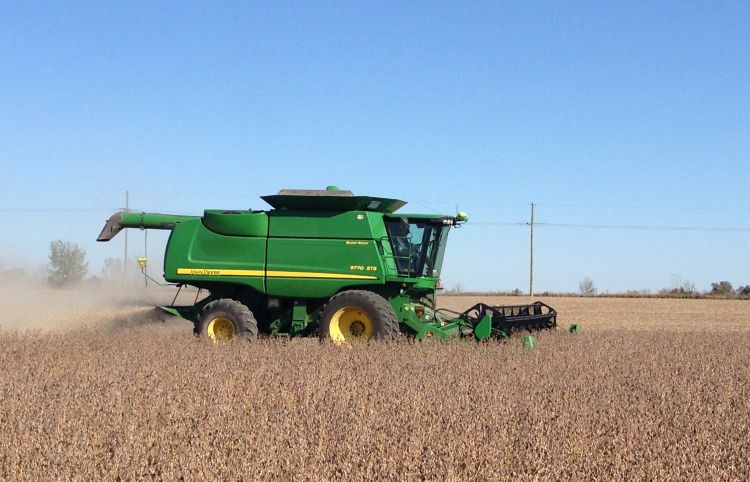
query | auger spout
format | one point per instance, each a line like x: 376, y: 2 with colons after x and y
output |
x: 125, y: 219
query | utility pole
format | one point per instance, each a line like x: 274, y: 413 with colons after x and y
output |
x: 145, y: 255
x: 531, y: 258
x: 125, y: 255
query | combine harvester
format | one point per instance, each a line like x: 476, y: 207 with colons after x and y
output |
x: 324, y: 263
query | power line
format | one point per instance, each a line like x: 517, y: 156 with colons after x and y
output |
x: 193, y: 193
x: 119, y: 191
x: 654, y: 207
x: 495, y: 223
x: 617, y: 226
x: 470, y: 203
x: 58, y: 189
x: 427, y: 207
x: 424, y: 203
x: 58, y: 210
x: 594, y: 206
x: 647, y: 227
x: 640, y: 227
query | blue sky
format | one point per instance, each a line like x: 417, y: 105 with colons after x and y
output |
x: 603, y: 113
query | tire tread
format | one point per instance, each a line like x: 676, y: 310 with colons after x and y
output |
x: 248, y: 326
x: 383, y: 311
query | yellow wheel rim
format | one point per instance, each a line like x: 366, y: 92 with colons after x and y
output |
x: 350, y: 324
x: 220, y: 329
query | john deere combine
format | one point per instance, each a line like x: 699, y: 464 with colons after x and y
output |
x: 324, y: 263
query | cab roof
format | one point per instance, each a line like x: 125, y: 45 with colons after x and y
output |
x: 330, y: 200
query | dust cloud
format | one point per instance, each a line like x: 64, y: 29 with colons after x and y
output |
x: 30, y: 306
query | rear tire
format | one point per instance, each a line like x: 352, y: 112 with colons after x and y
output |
x: 358, y: 315
x: 225, y: 320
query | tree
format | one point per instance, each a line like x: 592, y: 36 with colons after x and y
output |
x: 688, y: 288
x: 112, y: 269
x: 680, y: 288
x: 744, y: 290
x: 67, y: 263
x: 722, y: 288
x: 685, y: 290
x: 586, y: 287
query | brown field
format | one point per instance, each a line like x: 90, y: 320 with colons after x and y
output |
x: 651, y: 389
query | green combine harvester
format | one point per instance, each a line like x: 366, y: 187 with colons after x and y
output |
x: 325, y: 263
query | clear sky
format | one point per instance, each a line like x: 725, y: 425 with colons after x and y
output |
x: 630, y: 116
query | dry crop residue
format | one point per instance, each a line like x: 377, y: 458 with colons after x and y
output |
x: 152, y: 401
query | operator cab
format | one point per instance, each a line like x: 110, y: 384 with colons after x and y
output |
x: 418, y: 244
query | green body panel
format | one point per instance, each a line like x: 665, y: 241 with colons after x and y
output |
x: 196, y: 255
x: 326, y: 225
x: 440, y: 333
x: 171, y: 310
x: 284, y: 254
x: 332, y: 263
x: 336, y: 250
x: 483, y: 329
x: 236, y: 223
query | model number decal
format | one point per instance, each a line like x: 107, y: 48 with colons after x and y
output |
x: 357, y: 243
x: 359, y: 267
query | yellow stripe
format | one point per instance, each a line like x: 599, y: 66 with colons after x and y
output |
x: 270, y: 274
x: 305, y: 274
x: 220, y: 272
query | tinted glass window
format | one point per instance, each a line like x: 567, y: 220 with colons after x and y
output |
x: 418, y: 246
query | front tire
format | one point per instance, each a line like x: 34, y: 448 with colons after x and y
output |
x: 356, y: 315
x: 225, y: 320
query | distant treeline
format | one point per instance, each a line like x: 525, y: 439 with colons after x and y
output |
x: 721, y: 290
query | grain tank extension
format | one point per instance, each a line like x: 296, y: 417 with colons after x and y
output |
x: 325, y: 263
